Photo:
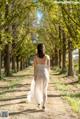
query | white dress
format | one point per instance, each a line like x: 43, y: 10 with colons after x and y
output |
x: 39, y: 86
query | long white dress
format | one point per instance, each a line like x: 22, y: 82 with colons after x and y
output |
x: 39, y: 86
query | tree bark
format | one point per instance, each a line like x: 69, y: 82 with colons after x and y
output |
x: 70, y: 66
x: 63, y: 52
x: 79, y: 61
x: 60, y: 58
x: 17, y: 61
x: 2, y: 59
x: 0, y: 56
x: 0, y: 64
x: 26, y: 62
x: 21, y: 64
x: 60, y: 41
x: 56, y: 56
x: 7, y: 60
x: 14, y: 38
x: 13, y: 57
x: 7, y: 47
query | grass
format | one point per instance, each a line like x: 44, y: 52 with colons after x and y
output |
x: 11, y: 83
x: 75, y: 103
x: 68, y: 93
x: 8, y: 84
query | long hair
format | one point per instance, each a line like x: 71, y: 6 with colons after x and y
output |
x: 40, y: 50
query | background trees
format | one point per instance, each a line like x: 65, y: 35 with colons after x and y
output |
x: 56, y: 25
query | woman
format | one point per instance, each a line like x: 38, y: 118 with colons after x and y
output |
x: 41, y: 76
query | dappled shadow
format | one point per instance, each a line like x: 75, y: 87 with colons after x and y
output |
x: 77, y: 95
x: 14, y: 90
x: 55, y: 73
x: 56, y: 95
x: 21, y: 102
x: 27, y: 111
x: 22, y: 75
x: 56, y: 82
x: 14, y: 85
x: 15, y: 98
x: 65, y: 76
x: 72, y: 82
x: 59, y: 73
x: 52, y: 83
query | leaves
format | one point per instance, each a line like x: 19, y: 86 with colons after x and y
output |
x: 22, y: 15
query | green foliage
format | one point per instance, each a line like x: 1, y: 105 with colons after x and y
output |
x: 17, y: 26
x: 22, y: 15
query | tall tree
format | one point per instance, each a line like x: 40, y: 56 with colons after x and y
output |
x: 7, y: 47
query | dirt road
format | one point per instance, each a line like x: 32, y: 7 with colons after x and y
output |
x: 13, y: 93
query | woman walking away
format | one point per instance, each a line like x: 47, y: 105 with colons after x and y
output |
x: 41, y: 77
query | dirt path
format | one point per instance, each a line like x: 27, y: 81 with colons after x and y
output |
x: 15, y: 99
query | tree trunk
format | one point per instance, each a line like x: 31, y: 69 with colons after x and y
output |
x: 51, y: 61
x: 2, y: 60
x: 14, y: 38
x: 7, y: 47
x: 13, y: 57
x: 21, y: 64
x: 63, y: 52
x: 7, y: 60
x: 60, y: 39
x: 0, y: 64
x: 26, y: 62
x: 59, y: 58
x: 17, y: 61
x: 79, y: 61
x: 56, y: 57
x: 0, y: 56
x: 0, y: 50
x: 70, y: 67
x: 13, y: 63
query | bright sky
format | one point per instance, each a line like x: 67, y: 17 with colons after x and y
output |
x: 39, y: 15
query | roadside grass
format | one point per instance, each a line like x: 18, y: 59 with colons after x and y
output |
x: 69, y: 92
x: 74, y: 102
x: 9, y: 84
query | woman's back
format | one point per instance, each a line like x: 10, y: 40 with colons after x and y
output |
x: 41, y: 66
x: 41, y: 61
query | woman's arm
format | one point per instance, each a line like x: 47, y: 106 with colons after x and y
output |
x: 35, y: 68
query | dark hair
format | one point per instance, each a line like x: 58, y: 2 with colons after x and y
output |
x: 40, y: 51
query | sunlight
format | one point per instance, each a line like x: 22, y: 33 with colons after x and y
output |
x: 39, y: 16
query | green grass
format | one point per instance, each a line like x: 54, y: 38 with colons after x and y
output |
x: 11, y: 84
x: 68, y: 94
x: 75, y: 103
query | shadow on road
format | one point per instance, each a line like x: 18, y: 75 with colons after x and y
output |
x: 18, y: 97
x: 14, y: 85
x: 27, y: 111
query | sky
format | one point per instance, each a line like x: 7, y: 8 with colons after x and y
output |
x: 39, y: 16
